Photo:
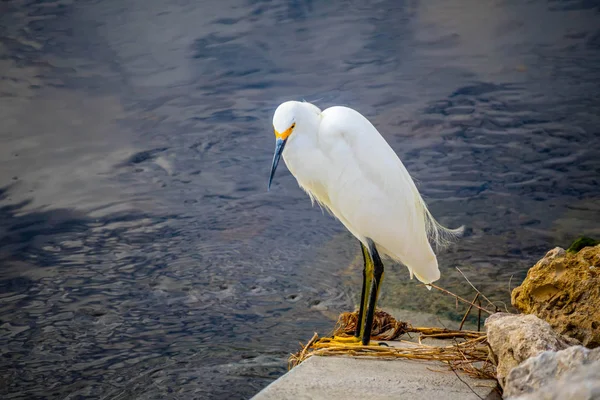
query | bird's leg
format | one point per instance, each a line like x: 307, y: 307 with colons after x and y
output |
x: 364, y: 297
x: 372, y: 278
x: 367, y: 278
x: 373, y: 292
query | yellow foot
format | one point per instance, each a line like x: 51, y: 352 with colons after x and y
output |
x: 341, y: 341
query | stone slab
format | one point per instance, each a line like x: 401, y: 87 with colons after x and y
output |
x: 331, y: 378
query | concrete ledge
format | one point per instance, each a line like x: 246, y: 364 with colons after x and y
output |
x: 331, y: 378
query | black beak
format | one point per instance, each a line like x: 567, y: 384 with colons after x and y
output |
x: 279, y: 145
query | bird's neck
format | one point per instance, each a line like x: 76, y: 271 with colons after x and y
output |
x: 302, y: 153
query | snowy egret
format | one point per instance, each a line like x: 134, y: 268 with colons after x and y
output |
x: 339, y: 158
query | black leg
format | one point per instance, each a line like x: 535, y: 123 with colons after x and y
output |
x: 367, y: 278
x: 374, y: 291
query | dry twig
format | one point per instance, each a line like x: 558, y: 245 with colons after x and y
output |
x: 477, y: 290
x: 460, y: 298
x: 462, y: 322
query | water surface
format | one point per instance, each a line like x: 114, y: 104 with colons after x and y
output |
x: 140, y: 254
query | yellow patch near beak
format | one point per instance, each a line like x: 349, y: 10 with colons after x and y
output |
x: 284, y: 135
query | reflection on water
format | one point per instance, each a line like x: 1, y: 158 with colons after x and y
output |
x: 141, y: 256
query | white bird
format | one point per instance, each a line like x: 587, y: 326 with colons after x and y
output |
x: 340, y: 159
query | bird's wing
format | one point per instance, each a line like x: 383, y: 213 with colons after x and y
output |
x: 372, y: 192
x: 365, y: 174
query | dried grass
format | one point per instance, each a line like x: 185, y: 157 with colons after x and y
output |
x: 469, y: 352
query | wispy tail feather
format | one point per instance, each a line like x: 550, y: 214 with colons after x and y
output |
x: 440, y: 235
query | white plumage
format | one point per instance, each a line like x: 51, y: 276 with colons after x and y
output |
x: 339, y: 158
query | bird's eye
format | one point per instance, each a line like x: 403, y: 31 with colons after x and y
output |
x: 293, y: 125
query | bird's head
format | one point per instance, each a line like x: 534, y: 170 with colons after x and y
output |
x: 288, y: 118
x: 284, y: 119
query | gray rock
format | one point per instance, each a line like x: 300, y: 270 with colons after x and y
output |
x: 515, y: 338
x: 573, y: 373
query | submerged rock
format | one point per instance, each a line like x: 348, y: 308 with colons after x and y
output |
x: 515, y: 338
x: 582, y: 242
x: 563, y: 288
x: 573, y: 373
